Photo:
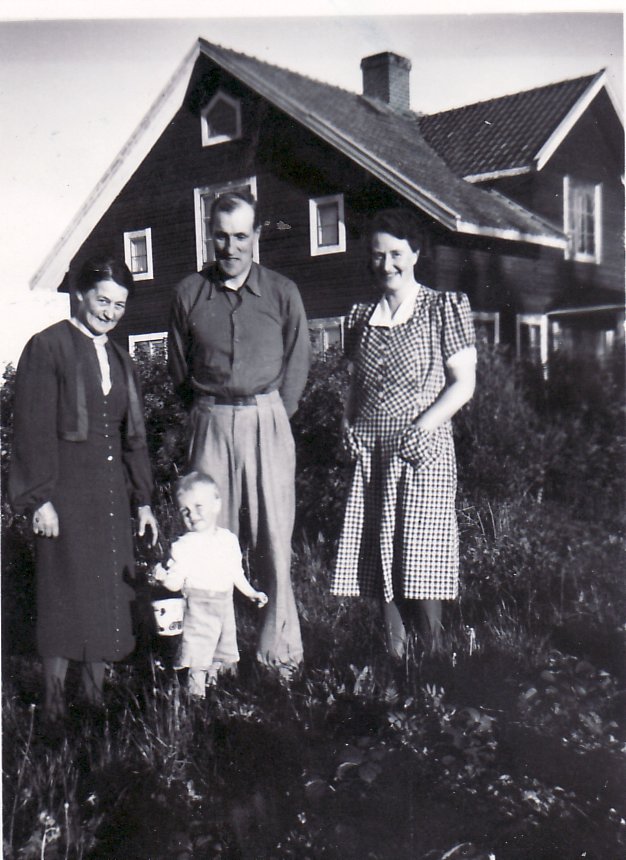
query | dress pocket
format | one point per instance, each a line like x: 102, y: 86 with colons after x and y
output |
x: 421, y: 448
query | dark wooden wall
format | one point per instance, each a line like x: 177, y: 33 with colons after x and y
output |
x: 292, y: 165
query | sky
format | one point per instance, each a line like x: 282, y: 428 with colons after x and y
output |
x: 73, y: 90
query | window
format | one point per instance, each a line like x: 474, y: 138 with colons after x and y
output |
x: 221, y: 120
x: 152, y: 344
x: 138, y: 253
x: 532, y: 338
x: 326, y: 225
x: 487, y: 325
x: 326, y: 333
x: 582, y: 216
x: 203, y: 198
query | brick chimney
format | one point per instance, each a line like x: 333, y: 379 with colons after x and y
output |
x: 386, y: 77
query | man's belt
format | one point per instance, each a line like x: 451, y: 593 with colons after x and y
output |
x: 244, y: 400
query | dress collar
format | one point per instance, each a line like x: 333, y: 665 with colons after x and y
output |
x: 382, y: 316
x: 98, y: 339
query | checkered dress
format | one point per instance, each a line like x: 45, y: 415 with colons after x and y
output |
x: 400, y: 523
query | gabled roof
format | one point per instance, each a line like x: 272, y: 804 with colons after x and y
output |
x: 513, y: 134
x: 387, y: 143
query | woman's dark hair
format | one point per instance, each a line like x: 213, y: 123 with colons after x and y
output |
x: 103, y: 268
x: 400, y: 223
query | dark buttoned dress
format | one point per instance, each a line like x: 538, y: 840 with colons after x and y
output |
x: 85, y: 575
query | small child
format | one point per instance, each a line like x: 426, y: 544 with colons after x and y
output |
x: 205, y: 564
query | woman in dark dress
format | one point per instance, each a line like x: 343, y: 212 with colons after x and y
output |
x: 79, y: 460
x: 413, y: 361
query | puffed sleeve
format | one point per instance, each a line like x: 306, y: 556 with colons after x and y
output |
x: 33, y: 469
x: 457, y: 331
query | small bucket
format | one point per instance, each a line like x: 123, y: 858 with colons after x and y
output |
x: 169, y: 613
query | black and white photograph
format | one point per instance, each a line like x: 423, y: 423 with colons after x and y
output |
x: 328, y: 303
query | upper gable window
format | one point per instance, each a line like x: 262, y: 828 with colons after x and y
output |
x: 138, y: 253
x: 327, y: 227
x: 582, y: 217
x: 221, y: 120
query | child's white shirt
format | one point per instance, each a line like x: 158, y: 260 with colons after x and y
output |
x: 206, y: 560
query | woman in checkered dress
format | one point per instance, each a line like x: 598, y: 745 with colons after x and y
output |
x: 413, y: 367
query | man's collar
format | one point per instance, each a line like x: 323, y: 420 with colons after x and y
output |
x: 214, y: 276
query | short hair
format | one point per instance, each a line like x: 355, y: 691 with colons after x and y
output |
x: 194, y: 479
x: 103, y: 267
x: 228, y: 201
x: 401, y: 223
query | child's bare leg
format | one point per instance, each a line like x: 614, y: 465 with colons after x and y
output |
x: 197, y: 682
x: 212, y: 673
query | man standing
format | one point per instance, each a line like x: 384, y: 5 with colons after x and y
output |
x: 239, y: 354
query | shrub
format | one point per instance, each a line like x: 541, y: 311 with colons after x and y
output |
x: 585, y: 399
x: 322, y: 474
x: 504, y: 449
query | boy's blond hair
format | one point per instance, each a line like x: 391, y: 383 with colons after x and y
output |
x: 193, y: 479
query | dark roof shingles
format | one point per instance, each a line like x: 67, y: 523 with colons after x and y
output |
x: 503, y: 133
x: 394, y: 139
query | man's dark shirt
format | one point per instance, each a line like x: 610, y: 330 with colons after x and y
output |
x: 233, y: 343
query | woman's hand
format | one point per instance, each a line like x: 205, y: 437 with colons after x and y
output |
x: 46, y: 521
x: 146, y: 518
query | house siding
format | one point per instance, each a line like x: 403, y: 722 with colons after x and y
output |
x: 591, y: 154
x: 291, y: 165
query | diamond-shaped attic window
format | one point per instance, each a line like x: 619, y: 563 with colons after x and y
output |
x: 221, y: 120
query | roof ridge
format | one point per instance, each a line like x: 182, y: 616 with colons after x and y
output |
x: 251, y: 57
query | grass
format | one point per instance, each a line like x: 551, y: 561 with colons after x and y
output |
x: 509, y: 746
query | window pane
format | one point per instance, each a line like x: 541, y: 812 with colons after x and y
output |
x: 138, y: 255
x: 328, y: 224
x: 530, y: 342
x: 583, y: 220
x: 222, y: 120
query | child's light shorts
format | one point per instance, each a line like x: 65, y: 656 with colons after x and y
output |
x: 209, y: 631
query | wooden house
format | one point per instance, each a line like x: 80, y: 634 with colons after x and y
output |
x: 521, y: 198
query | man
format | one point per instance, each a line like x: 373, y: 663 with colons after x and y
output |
x: 239, y: 353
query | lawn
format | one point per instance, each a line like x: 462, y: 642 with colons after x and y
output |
x: 509, y: 745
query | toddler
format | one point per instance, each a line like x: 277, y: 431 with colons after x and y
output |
x: 205, y: 564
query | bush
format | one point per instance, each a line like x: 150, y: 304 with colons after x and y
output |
x: 586, y: 401
x: 504, y: 448
x: 322, y: 474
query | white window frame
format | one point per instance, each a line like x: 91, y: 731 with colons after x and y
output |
x: 213, y: 191
x: 153, y: 336
x: 209, y: 139
x: 322, y: 324
x: 489, y: 317
x: 318, y: 250
x: 131, y: 235
x: 570, y: 187
x: 541, y: 322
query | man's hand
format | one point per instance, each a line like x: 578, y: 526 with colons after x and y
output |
x: 46, y: 521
